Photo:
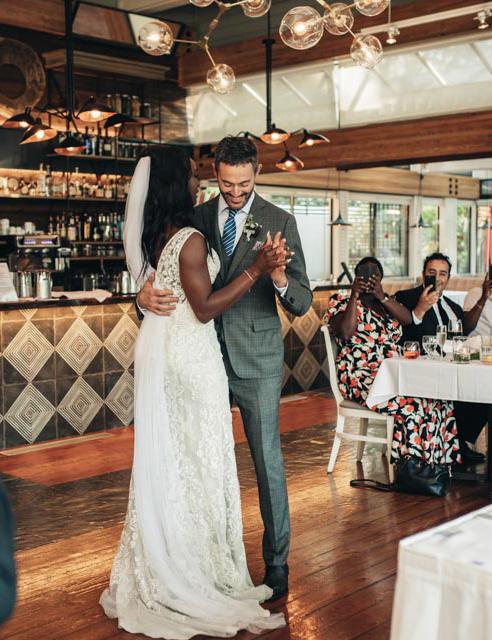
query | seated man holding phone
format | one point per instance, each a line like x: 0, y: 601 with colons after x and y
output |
x: 430, y: 308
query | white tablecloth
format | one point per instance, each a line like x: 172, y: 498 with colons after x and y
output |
x: 425, y: 378
x: 444, y: 584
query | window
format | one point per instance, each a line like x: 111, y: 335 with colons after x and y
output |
x: 379, y: 229
x: 484, y: 217
x: 463, y: 238
x: 312, y: 213
x: 429, y: 235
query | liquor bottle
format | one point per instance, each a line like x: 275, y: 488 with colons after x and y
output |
x: 63, y: 227
x: 108, y: 190
x: 79, y: 225
x: 49, y: 181
x: 42, y: 181
x: 99, y: 190
x: 107, y: 146
x: 96, y: 235
x: 87, y: 139
x: 51, y: 227
x: 72, y: 229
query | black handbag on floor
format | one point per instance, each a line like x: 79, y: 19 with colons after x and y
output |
x: 415, y: 476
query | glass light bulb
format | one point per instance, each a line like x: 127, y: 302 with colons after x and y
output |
x: 221, y: 78
x: 156, y: 38
x: 309, y: 142
x: 202, y: 3
x: 40, y: 134
x: 95, y: 114
x: 256, y: 8
x: 301, y: 28
x: 338, y: 19
x: 371, y: 7
x: 275, y: 136
x: 23, y: 124
x: 367, y: 51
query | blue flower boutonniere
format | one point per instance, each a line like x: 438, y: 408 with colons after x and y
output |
x: 251, y: 227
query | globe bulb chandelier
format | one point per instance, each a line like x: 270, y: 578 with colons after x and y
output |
x: 303, y: 27
x: 157, y: 39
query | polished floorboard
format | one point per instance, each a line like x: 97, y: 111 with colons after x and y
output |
x: 69, y: 501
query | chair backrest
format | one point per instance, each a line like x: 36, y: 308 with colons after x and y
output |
x: 331, y: 352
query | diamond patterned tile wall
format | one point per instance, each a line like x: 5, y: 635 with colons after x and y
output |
x: 29, y: 351
x: 30, y: 413
x: 66, y: 399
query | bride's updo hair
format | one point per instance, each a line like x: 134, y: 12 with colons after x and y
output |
x: 169, y: 201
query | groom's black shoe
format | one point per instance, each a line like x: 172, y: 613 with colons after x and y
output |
x: 277, y: 578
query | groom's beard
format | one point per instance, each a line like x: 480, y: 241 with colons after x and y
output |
x: 240, y: 201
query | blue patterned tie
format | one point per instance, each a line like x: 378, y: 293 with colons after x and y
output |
x: 229, y: 235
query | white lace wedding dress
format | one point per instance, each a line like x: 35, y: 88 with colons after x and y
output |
x: 180, y: 569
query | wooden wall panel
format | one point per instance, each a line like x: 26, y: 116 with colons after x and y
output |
x: 378, y: 180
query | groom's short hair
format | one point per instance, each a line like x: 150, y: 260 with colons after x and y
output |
x: 236, y: 150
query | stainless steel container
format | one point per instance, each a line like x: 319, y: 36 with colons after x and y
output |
x: 125, y: 282
x: 43, y: 285
x: 24, y: 284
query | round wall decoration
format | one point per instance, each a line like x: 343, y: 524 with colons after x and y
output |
x: 23, y: 66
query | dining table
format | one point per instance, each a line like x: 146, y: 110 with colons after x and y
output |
x: 435, y: 378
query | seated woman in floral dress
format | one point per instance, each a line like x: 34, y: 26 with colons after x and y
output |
x: 368, y: 325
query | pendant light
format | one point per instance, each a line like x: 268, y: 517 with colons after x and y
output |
x: 94, y: 111
x: 289, y: 162
x: 20, y: 120
x: 39, y: 132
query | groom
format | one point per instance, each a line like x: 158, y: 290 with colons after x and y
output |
x: 236, y: 224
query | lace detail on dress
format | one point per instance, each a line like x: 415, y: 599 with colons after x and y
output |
x: 168, y: 268
x: 180, y: 569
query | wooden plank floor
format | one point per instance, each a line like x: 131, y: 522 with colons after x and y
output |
x: 344, y: 540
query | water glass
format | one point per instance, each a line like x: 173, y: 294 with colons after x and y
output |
x: 411, y: 350
x: 461, y: 350
x: 430, y: 346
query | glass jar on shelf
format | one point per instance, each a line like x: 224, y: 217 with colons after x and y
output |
x: 135, y: 106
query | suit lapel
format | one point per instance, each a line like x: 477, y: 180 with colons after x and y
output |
x: 244, y: 245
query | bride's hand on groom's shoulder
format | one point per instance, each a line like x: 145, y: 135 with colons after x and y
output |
x: 162, y: 302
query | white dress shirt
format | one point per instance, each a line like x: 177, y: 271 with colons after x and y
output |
x: 484, y: 324
x: 451, y: 314
x: 240, y: 218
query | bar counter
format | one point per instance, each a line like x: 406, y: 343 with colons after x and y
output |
x: 67, y: 365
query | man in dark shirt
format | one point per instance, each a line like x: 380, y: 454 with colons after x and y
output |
x: 7, y: 566
x: 430, y: 308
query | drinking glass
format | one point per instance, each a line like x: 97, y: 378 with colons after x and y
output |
x: 411, y: 350
x: 441, y: 337
x: 455, y: 327
x: 486, y: 354
x: 429, y: 344
x: 461, y: 350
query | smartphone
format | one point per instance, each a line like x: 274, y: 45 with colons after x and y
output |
x: 430, y: 280
x: 367, y: 270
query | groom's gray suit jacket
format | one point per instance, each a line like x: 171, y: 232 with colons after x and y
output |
x: 250, y: 329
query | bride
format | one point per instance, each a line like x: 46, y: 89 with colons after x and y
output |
x: 180, y: 569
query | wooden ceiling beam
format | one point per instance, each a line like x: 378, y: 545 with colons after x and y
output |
x: 248, y: 56
x: 431, y: 139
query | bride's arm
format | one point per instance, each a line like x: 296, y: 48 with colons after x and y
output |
x: 195, y: 279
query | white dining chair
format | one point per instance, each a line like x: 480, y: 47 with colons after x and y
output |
x: 349, y: 409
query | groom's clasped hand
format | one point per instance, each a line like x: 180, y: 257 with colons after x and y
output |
x: 273, y: 254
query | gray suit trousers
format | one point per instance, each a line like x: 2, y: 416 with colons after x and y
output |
x: 258, y: 401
